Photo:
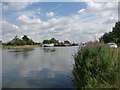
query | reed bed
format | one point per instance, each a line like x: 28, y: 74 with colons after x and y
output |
x: 97, y: 66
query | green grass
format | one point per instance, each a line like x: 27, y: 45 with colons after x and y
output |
x: 97, y: 66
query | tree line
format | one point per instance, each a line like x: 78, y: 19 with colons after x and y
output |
x: 24, y: 41
x: 28, y: 41
x: 54, y: 41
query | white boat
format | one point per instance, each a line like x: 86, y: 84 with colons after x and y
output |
x: 48, y: 45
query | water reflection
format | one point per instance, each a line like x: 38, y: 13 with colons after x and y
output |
x: 49, y: 49
x: 40, y: 79
x: 21, y: 51
x: 0, y: 69
x: 39, y: 69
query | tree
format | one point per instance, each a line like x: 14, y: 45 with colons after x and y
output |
x: 46, y: 42
x: 24, y: 41
x: 66, y: 42
x: 53, y: 40
x: 27, y: 40
x: 113, y: 36
x: 16, y: 41
x: 0, y: 42
x: 107, y: 37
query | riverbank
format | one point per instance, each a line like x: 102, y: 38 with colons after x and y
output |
x: 97, y: 66
x: 17, y: 47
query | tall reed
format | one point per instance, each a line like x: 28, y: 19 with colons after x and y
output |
x: 97, y: 66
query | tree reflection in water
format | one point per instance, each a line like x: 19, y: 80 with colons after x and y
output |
x: 23, y: 51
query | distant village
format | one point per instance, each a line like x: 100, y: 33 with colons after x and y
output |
x: 56, y: 43
x: 59, y: 44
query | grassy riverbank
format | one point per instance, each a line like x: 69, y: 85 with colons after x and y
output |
x: 15, y: 47
x: 97, y: 66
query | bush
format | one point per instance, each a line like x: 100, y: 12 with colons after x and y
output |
x: 96, y: 66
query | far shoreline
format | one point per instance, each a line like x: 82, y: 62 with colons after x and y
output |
x: 24, y: 46
x: 18, y: 47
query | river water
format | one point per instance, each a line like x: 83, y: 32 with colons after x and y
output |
x: 49, y: 67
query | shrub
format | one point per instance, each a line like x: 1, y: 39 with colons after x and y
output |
x: 96, y: 66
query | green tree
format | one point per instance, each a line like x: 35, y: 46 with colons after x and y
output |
x: 0, y: 42
x: 16, y: 41
x: 66, y: 42
x: 53, y: 40
x: 27, y: 40
x: 113, y: 36
x: 46, y: 42
x: 107, y: 37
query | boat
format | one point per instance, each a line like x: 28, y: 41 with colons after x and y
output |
x: 48, y: 45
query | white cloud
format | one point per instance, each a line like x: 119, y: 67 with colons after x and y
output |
x: 100, y: 10
x: 101, y: 5
x: 26, y: 19
x: 94, y: 6
x: 50, y: 14
x: 85, y: 25
x: 82, y: 10
x: 15, y: 6
x: 9, y: 30
x: 8, y: 25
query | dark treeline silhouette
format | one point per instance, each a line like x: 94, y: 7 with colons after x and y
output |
x: 28, y: 41
x: 55, y: 42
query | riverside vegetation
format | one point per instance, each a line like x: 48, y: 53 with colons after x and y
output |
x: 97, y: 66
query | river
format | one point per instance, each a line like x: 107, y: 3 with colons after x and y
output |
x: 49, y: 67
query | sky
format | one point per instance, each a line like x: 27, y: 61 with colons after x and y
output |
x: 75, y: 21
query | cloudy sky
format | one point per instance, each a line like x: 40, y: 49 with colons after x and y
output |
x: 75, y: 21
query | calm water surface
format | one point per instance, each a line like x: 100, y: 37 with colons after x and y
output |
x: 38, y: 67
x: 0, y: 69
